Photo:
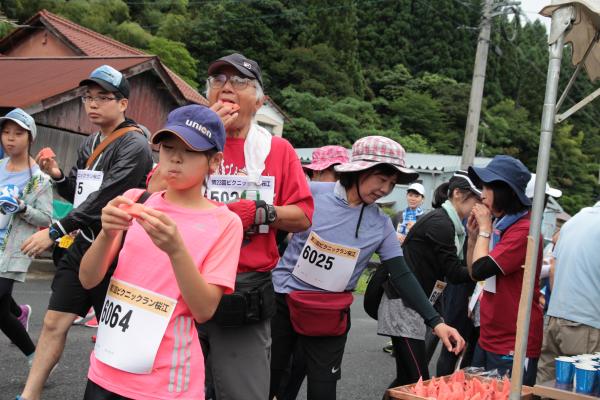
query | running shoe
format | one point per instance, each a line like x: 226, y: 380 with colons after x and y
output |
x: 389, y: 348
x: 82, y: 320
x: 92, y: 323
x: 25, y: 316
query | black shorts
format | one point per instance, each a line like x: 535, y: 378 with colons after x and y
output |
x: 323, y: 354
x: 97, y: 392
x: 67, y: 293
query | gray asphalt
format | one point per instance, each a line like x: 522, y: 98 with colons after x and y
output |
x: 366, y: 370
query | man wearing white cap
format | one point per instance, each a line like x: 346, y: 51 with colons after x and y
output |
x: 415, y: 194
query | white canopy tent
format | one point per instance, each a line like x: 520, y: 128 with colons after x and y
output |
x: 576, y: 22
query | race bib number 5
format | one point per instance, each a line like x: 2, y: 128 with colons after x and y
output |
x: 326, y: 265
x: 88, y: 181
x: 131, y: 327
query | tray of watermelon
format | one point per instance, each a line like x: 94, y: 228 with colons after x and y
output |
x: 458, y: 386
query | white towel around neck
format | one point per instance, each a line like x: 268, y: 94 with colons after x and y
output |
x: 256, y: 149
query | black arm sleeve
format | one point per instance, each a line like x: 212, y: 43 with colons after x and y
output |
x: 485, y: 268
x: 445, y: 250
x: 409, y: 289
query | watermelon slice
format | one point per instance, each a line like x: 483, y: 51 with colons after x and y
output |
x: 45, y: 153
x: 234, y: 107
x: 135, y: 209
x: 420, y: 389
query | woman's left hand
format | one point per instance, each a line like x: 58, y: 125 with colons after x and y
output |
x: 452, y: 340
x: 472, y: 227
x: 483, y: 215
x: 37, y: 243
x: 162, y: 230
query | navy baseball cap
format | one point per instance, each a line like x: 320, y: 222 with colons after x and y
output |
x: 198, y: 126
x: 109, y: 79
x: 505, y: 169
x: 22, y: 119
x: 247, y: 67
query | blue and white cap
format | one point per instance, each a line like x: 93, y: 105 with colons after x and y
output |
x: 198, y: 126
x: 109, y: 79
x: 22, y: 119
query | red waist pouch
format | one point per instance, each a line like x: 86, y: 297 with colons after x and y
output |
x: 319, y: 313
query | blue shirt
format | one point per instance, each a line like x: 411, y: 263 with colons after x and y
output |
x: 19, y: 179
x: 335, y: 221
x: 577, y: 274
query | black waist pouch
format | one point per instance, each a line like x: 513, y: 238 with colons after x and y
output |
x: 253, y: 301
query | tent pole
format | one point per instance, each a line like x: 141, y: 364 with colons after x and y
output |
x: 561, y: 20
x: 577, y: 71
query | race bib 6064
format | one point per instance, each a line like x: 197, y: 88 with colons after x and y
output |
x: 131, y: 327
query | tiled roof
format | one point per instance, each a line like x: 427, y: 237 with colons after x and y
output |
x: 39, y: 79
x: 94, y: 44
x: 89, y: 42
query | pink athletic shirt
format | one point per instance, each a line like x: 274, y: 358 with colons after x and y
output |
x: 213, y: 238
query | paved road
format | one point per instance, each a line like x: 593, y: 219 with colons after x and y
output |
x: 366, y: 370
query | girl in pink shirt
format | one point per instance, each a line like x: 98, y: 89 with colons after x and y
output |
x: 178, y: 258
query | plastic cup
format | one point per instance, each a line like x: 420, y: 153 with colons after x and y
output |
x: 592, y: 364
x: 586, y: 357
x: 585, y: 378
x: 565, y: 369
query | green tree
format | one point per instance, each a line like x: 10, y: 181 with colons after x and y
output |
x: 572, y: 170
x: 132, y: 34
x: 175, y: 56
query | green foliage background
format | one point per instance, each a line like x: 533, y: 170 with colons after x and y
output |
x: 343, y: 69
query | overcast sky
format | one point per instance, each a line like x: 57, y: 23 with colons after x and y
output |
x: 532, y: 7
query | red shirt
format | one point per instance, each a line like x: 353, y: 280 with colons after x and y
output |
x: 259, y: 252
x: 499, y: 310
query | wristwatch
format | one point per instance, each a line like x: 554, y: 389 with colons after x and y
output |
x: 485, y: 234
x: 54, y: 233
x: 265, y: 213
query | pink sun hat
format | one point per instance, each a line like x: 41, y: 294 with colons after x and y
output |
x: 326, y: 156
x: 374, y: 150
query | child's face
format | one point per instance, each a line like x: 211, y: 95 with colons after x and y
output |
x: 414, y: 199
x: 183, y: 168
x: 15, y: 139
x: 103, y: 108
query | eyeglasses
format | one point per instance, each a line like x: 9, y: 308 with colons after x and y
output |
x: 97, y: 99
x: 237, y: 82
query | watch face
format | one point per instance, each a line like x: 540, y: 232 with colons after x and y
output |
x: 271, y: 214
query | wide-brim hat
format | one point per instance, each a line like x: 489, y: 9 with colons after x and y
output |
x: 326, y: 156
x: 504, y: 169
x: 370, y: 151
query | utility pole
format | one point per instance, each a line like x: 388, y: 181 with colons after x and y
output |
x: 472, y: 129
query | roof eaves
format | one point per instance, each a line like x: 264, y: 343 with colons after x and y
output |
x: 279, y: 109
x: 54, y: 20
x: 17, y: 33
